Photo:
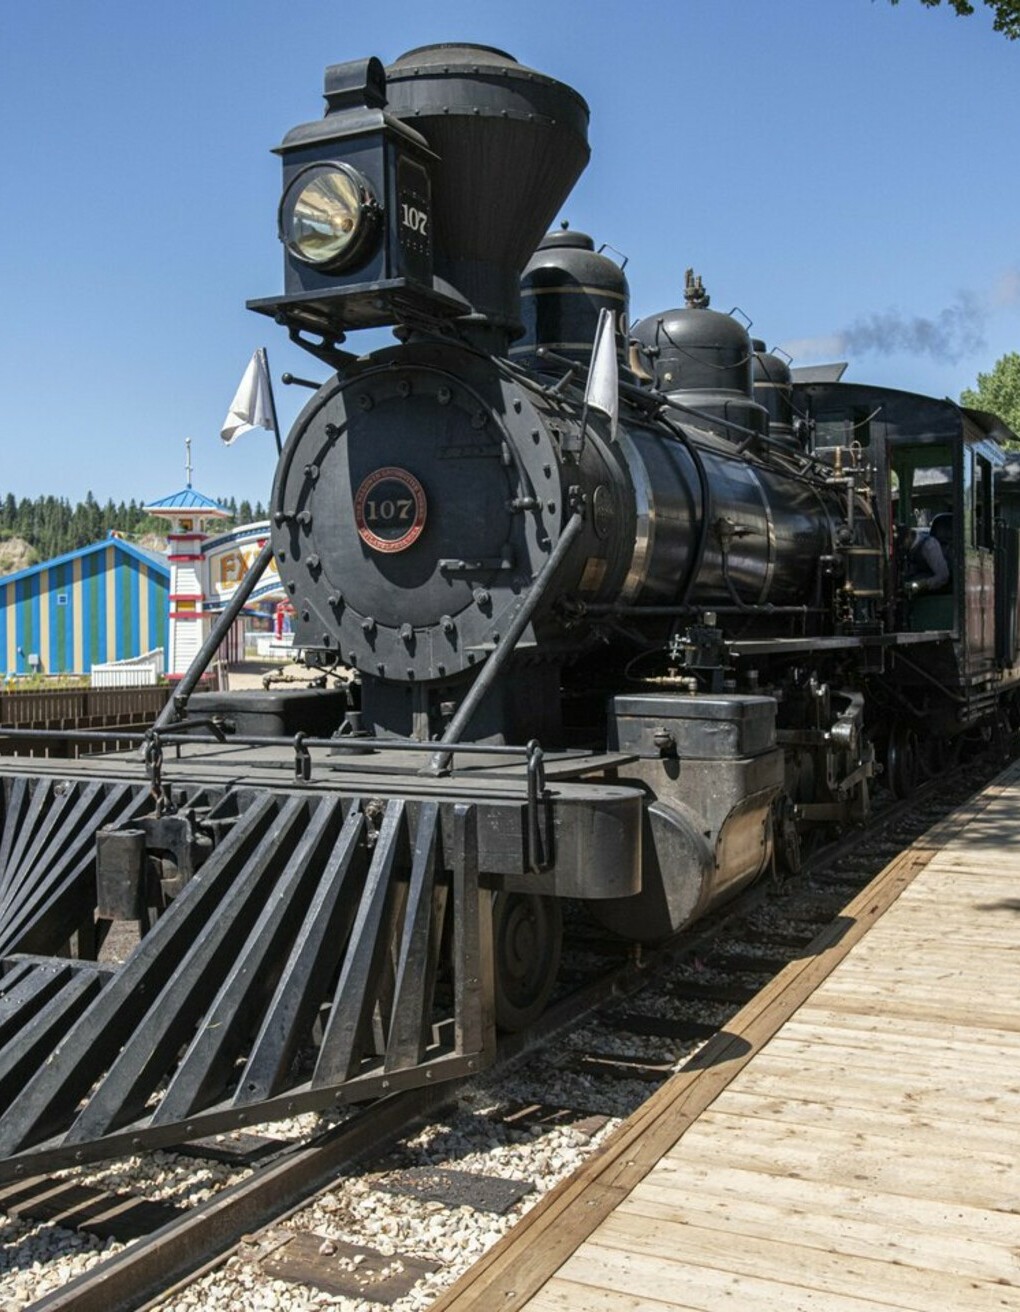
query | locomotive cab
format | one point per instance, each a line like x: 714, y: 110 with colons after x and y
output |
x: 945, y: 490
x: 943, y: 464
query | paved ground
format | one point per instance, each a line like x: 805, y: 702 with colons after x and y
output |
x: 249, y: 674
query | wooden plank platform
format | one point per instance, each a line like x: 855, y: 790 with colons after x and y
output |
x: 851, y: 1142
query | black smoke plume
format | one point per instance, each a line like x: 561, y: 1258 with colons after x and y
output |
x: 952, y: 334
x: 955, y: 332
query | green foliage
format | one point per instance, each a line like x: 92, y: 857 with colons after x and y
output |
x: 998, y: 391
x: 1007, y: 13
x: 52, y: 526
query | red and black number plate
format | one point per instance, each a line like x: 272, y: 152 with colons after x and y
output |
x: 390, y: 509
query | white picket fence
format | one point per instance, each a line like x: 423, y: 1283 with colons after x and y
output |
x: 143, y: 671
x: 270, y: 647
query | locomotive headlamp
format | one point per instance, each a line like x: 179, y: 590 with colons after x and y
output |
x: 355, y: 219
x: 328, y: 215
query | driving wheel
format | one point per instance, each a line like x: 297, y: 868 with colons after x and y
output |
x: 527, y: 933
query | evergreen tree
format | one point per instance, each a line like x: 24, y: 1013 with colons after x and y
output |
x: 52, y: 526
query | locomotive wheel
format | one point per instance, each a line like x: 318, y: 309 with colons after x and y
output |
x: 901, y: 760
x: 527, y: 933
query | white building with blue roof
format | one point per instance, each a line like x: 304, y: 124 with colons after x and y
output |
x: 189, y: 515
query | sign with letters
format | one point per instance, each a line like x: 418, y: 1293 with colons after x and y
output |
x: 228, y: 560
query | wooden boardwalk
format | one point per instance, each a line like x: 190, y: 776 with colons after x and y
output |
x: 852, y: 1142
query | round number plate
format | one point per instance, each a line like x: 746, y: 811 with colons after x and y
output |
x: 389, y: 509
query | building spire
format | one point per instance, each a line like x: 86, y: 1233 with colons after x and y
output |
x: 187, y: 459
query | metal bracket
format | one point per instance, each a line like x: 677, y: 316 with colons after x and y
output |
x: 539, y: 858
x: 302, y: 759
x: 154, y: 768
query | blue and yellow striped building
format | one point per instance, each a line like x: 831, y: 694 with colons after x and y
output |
x: 104, y: 602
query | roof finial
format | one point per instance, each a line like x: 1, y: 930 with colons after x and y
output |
x: 187, y: 459
x: 695, y: 295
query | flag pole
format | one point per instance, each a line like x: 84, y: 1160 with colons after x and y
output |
x: 601, y: 391
x: 272, y: 401
x: 254, y: 405
x: 577, y: 445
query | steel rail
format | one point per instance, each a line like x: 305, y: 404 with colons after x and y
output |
x: 183, y: 1248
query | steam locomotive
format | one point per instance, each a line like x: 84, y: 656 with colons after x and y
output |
x: 627, y: 654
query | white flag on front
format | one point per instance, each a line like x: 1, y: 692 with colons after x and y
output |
x: 252, y: 406
x: 602, y: 392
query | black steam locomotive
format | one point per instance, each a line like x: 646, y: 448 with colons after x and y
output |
x: 629, y: 654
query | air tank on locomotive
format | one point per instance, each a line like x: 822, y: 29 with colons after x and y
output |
x: 772, y: 382
x: 564, y: 287
x: 703, y: 356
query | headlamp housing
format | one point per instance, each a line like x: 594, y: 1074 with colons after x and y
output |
x: 355, y: 220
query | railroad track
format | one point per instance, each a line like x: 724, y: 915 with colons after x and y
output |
x: 425, y: 1161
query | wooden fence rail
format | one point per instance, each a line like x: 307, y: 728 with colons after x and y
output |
x: 77, y: 708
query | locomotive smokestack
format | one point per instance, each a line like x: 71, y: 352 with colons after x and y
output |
x: 511, y: 144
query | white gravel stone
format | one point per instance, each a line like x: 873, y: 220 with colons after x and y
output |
x: 357, y: 1209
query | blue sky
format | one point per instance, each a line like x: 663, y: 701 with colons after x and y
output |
x: 843, y: 171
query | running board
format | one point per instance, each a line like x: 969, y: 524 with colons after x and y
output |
x: 327, y: 951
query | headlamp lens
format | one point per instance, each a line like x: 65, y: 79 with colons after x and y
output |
x: 325, y: 215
